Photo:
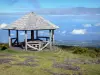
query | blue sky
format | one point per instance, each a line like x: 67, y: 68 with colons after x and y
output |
x: 28, y: 5
x: 77, y: 19
x: 69, y: 3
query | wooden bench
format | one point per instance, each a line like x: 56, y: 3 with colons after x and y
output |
x: 35, y: 44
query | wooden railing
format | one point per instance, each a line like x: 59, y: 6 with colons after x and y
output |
x: 37, y: 45
x: 15, y: 41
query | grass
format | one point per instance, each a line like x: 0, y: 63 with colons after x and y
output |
x: 55, y: 62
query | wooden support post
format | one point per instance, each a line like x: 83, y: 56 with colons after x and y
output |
x: 17, y: 37
x: 50, y: 40
x: 52, y: 37
x: 36, y: 34
x: 25, y: 40
x: 32, y: 35
x: 9, y: 38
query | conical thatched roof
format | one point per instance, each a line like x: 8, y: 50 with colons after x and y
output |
x: 31, y: 21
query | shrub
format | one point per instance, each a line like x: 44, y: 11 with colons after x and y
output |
x: 98, y: 54
x: 92, y: 54
x: 0, y: 46
x: 79, y: 50
x: 3, y: 47
x: 97, y: 50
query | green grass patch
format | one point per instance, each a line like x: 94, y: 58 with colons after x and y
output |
x: 42, y: 62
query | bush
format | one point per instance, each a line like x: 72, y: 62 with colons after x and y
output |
x: 97, y: 50
x: 98, y: 54
x: 93, y: 54
x: 3, y: 47
x: 0, y: 46
x: 79, y: 50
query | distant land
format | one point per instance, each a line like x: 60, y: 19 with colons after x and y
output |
x: 93, y: 43
x: 87, y: 43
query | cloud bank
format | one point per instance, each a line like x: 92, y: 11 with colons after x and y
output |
x: 79, y: 31
x: 87, y: 25
x: 3, y: 25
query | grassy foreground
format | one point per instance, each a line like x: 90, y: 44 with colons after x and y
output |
x: 55, y: 62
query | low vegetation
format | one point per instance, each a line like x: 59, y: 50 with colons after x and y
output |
x: 4, y: 46
x: 85, y: 51
x: 62, y: 60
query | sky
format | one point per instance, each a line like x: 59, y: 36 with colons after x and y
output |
x: 28, y: 5
x: 77, y: 19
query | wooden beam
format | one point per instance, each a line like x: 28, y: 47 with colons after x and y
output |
x: 25, y: 40
x: 9, y: 38
x: 36, y: 34
x: 17, y: 37
x: 52, y: 37
x: 32, y: 35
x: 50, y: 40
x: 45, y: 45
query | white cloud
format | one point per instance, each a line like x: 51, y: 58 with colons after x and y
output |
x: 87, y: 25
x: 63, y: 32
x: 3, y: 25
x: 98, y: 24
x: 79, y: 31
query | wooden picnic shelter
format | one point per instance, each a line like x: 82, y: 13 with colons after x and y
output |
x: 33, y: 23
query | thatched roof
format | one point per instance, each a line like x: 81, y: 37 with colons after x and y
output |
x: 31, y: 21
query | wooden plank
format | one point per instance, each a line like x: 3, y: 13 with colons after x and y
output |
x: 15, y: 42
x: 32, y: 35
x: 43, y: 37
x: 53, y: 37
x: 9, y: 38
x: 25, y: 40
x: 17, y: 37
x: 50, y: 40
x: 45, y: 45
x: 32, y: 47
x: 34, y: 42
